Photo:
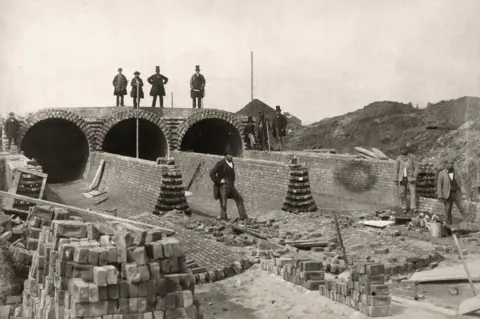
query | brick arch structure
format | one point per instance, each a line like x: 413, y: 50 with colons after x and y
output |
x: 131, y: 114
x: 206, y: 114
x: 47, y: 114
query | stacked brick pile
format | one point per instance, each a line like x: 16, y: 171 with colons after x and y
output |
x: 299, y: 196
x: 29, y: 185
x: 78, y: 273
x: 172, y: 192
x: 307, y: 273
x: 364, y: 289
x: 26, y: 236
x: 426, y: 181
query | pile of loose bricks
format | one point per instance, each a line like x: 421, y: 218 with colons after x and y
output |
x: 362, y: 287
x: 299, y: 196
x: 77, y: 272
x: 172, y: 192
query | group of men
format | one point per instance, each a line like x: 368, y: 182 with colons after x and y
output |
x: 158, y: 82
x: 450, y: 185
x: 257, y: 136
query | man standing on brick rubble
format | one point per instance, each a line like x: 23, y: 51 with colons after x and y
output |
x: 197, y: 87
x: 137, y: 84
x: 279, y: 127
x: 262, y: 131
x: 11, y: 130
x: 158, y: 89
x: 120, y: 83
x: 223, y: 177
x: 406, y: 177
x: 249, y: 133
x: 450, y: 189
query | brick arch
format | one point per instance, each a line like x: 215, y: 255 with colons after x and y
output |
x: 205, y: 114
x: 131, y: 114
x: 47, y: 114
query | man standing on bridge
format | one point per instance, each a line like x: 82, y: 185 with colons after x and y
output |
x: 158, y: 89
x: 11, y: 129
x: 137, y: 85
x: 197, y: 87
x: 120, y: 83
x: 223, y: 177
x: 406, y: 173
x: 279, y: 127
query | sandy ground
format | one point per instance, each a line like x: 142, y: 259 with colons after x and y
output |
x: 259, y: 294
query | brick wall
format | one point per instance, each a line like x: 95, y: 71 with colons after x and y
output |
x: 263, y: 184
x: 128, y: 180
x: 434, y: 206
x: 343, y: 176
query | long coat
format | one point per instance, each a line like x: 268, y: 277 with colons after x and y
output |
x: 262, y: 128
x: 279, y: 124
x: 120, y: 83
x: 197, y: 82
x: 133, y: 93
x: 444, y: 184
x: 409, y: 163
x: 11, y: 127
x: 157, y: 81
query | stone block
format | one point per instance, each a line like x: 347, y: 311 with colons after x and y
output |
x: 100, y: 276
x: 131, y: 273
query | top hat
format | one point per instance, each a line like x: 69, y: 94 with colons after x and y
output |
x: 250, y: 119
x: 136, y: 72
x: 278, y: 108
x: 120, y: 69
x: 157, y: 68
x: 228, y: 150
x: 197, y: 67
x: 11, y: 114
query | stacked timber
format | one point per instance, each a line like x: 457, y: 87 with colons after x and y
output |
x: 172, y: 192
x: 363, y: 289
x: 78, y: 273
x: 307, y: 273
x: 426, y: 181
x: 299, y: 196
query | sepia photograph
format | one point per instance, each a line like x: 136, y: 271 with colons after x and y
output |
x: 239, y: 159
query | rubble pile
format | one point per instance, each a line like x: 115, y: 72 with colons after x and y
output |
x: 172, y: 192
x: 299, y: 196
x: 363, y: 288
x: 78, y: 272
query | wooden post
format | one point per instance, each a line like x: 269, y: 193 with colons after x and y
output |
x: 251, y: 73
x: 172, y: 99
x: 136, y: 116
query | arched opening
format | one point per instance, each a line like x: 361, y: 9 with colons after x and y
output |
x: 59, y: 146
x: 211, y: 136
x: 121, y: 139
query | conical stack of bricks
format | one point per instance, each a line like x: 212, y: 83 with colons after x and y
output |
x: 172, y: 193
x: 299, y: 196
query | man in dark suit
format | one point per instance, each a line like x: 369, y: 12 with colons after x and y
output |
x: 279, y: 127
x: 120, y: 83
x: 158, y: 89
x: 262, y: 131
x: 137, y: 84
x: 223, y: 176
x: 197, y: 87
x: 451, y: 189
x: 11, y: 129
x: 249, y: 133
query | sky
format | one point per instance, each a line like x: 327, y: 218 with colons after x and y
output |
x: 314, y: 58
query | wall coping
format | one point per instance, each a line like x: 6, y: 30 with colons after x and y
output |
x: 237, y: 159
x: 127, y: 158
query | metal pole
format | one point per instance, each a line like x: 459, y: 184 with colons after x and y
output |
x: 136, y: 115
x: 172, y: 99
x: 251, y: 73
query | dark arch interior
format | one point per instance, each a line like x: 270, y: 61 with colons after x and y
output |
x: 211, y: 136
x: 59, y: 146
x: 121, y: 140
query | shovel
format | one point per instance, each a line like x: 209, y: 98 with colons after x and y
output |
x: 469, y: 305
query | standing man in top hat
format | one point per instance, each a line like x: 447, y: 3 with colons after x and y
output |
x: 158, y: 89
x: 197, y: 87
x: 279, y: 126
x: 120, y: 83
x: 249, y: 133
x: 11, y: 129
x: 137, y: 84
x: 406, y: 173
x: 262, y: 131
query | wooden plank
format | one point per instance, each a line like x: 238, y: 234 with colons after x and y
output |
x: 366, y: 152
x: 470, y: 305
x: 42, y: 190
x: 31, y: 172
x: 168, y: 231
x: 454, y: 273
x: 8, y: 202
x: 98, y: 174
